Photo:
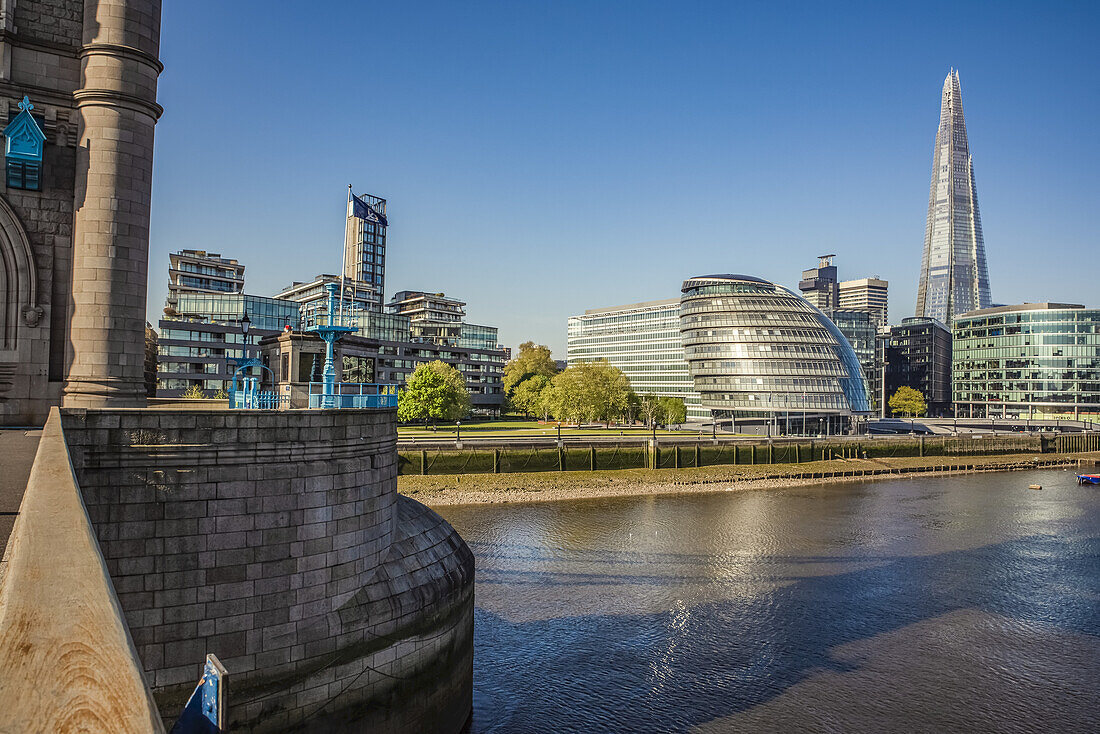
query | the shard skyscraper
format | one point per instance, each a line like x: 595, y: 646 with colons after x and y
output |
x: 953, y: 278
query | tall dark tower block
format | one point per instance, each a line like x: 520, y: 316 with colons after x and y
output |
x: 116, y: 112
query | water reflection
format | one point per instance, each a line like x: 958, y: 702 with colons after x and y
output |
x: 946, y: 604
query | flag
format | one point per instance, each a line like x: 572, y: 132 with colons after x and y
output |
x: 366, y: 212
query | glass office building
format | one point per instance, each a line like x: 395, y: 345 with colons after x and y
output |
x: 918, y: 355
x: 757, y: 351
x: 858, y: 327
x: 643, y: 340
x: 954, y: 278
x: 365, y: 250
x: 1034, y: 360
x: 201, y: 340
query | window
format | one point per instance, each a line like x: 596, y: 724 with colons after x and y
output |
x: 24, y: 175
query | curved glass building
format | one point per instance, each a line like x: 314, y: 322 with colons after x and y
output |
x: 755, y: 350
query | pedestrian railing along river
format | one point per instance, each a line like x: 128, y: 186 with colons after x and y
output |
x: 582, y: 455
x: 352, y: 395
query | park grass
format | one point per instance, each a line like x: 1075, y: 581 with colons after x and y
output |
x: 487, y: 429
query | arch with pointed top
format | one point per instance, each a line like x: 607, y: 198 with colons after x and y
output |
x: 18, y: 278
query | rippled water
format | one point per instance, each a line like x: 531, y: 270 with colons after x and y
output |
x: 943, y: 604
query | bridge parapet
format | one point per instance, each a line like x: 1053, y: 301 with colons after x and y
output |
x: 68, y: 661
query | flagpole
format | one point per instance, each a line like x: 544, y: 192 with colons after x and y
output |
x: 344, y: 264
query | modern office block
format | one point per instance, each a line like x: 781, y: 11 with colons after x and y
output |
x: 434, y: 318
x: 954, y: 278
x: 757, y: 351
x: 918, y: 355
x: 643, y: 340
x: 858, y: 327
x: 198, y: 271
x: 353, y: 297
x: 202, y: 341
x: 365, y: 249
x: 866, y: 294
x: 1033, y: 360
x: 819, y: 285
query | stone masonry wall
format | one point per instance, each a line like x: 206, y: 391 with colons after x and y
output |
x: 277, y: 541
x: 39, y: 58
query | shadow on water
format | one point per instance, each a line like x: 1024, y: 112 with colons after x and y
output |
x: 672, y: 670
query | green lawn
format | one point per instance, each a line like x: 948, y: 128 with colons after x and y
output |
x: 484, y: 429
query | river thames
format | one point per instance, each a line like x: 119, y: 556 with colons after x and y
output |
x: 940, y: 604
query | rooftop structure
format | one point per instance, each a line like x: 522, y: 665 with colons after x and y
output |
x: 954, y: 278
x: 819, y: 285
x: 434, y: 317
x: 199, y: 271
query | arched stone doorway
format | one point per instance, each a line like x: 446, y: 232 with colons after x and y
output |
x: 20, y: 317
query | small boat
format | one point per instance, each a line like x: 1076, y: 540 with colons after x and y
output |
x: 1088, y: 478
x: 1034, y: 486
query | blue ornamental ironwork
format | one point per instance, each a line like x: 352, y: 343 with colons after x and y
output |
x: 330, y: 333
x: 23, y: 138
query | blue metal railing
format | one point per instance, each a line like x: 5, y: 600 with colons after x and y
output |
x: 353, y: 395
x: 257, y: 400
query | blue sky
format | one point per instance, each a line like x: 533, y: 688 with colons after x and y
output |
x: 541, y: 158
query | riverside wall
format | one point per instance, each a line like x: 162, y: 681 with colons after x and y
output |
x: 277, y: 541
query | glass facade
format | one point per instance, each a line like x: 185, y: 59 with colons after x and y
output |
x: 755, y: 349
x: 366, y: 248
x: 643, y: 340
x: 1028, y: 361
x: 271, y: 314
x: 954, y: 278
x: 858, y: 327
x: 474, y: 336
x: 202, y: 342
x: 918, y: 355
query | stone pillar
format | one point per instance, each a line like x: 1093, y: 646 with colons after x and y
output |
x: 116, y: 109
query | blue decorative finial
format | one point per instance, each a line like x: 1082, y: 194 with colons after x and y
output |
x: 26, y: 105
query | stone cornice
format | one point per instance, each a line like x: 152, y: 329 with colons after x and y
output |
x: 112, y: 98
x: 34, y: 44
x: 261, y: 453
x: 128, y: 52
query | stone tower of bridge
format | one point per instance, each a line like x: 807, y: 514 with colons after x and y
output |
x: 116, y: 111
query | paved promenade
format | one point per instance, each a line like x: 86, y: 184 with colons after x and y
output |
x: 17, y: 449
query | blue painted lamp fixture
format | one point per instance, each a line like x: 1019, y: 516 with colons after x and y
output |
x: 24, y: 144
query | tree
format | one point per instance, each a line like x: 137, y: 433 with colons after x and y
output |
x: 589, y: 391
x: 527, y: 395
x: 908, y: 401
x: 193, y: 393
x: 633, y: 407
x: 673, y: 411
x: 435, y: 391
x: 649, y: 407
x: 611, y: 390
x: 532, y: 359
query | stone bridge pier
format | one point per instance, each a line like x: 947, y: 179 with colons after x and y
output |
x: 278, y: 541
